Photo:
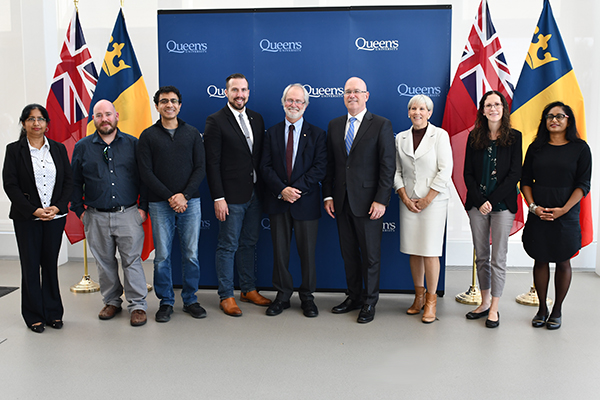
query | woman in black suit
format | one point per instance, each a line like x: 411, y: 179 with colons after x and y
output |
x: 492, y: 171
x: 37, y: 180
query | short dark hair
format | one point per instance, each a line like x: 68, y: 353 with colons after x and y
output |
x: 237, y: 75
x: 27, y: 111
x: 166, y: 89
x: 543, y: 135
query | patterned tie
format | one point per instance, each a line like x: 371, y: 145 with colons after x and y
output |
x: 289, y: 153
x: 245, y: 130
x: 350, y: 135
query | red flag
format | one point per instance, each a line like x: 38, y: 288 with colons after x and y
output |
x: 69, y: 101
x: 482, y: 68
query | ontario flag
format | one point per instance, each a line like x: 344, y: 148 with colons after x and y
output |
x: 121, y: 82
x: 69, y: 101
x: 482, y: 68
x: 548, y: 76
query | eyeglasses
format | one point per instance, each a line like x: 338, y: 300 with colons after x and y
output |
x: 296, y: 102
x: 355, y: 91
x: 105, y: 154
x: 559, y: 117
x: 166, y: 101
x: 497, y: 106
x: 38, y: 119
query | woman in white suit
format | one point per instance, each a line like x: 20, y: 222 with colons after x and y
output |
x: 423, y: 171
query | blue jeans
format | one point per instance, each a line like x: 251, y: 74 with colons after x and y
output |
x: 237, y: 239
x: 164, y: 222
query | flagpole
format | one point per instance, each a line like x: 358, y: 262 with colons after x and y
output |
x: 473, y: 295
x: 86, y: 284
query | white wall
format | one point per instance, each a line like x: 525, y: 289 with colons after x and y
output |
x: 32, y: 32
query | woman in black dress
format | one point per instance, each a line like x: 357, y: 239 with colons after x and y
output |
x: 37, y: 180
x: 556, y: 176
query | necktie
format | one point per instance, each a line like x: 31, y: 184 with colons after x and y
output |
x: 245, y: 130
x: 289, y: 153
x: 350, y: 135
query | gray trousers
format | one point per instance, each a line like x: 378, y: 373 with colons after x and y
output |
x: 108, y: 232
x: 491, y: 274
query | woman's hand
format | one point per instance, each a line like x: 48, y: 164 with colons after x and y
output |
x: 422, y: 204
x: 550, y: 214
x: 485, y: 208
x: 408, y: 202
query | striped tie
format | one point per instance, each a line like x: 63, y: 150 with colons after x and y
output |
x: 350, y: 135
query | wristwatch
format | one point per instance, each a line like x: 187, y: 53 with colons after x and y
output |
x: 532, y: 207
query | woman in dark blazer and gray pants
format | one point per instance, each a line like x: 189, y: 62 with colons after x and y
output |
x: 492, y: 170
x: 37, y: 180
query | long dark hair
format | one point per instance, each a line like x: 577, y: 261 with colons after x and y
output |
x: 479, y: 138
x: 543, y: 135
x: 25, y: 114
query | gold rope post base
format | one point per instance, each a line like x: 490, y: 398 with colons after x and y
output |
x: 471, y: 296
x: 531, y: 298
x: 86, y: 285
x: 149, y: 286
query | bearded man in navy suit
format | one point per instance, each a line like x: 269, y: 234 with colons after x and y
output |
x: 293, y: 164
x: 360, y: 172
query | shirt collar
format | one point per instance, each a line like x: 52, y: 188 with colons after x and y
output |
x: 236, y: 112
x: 98, y: 139
x: 45, y: 145
x: 297, y: 124
x: 360, y: 116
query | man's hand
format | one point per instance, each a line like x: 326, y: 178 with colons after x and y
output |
x: 142, y: 214
x: 329, y: 208
x: 377, y: 210
x: 291, y: 194
x: 221, y: 210
x: 178, y: 202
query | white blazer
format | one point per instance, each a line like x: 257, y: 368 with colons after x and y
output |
x: 429, y: 167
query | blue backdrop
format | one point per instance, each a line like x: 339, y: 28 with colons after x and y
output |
x: 397, y: 51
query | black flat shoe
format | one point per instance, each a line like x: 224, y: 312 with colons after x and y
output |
x: 57, y: 324
x: 539, y: 320
x: 553, y: 323
x: 492, y: 324
x: 477, y: 315
x: 38, y: 328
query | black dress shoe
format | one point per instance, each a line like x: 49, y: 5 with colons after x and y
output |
x: 309, y: 308
x: 492, y: 324
x: 539, y: 320
x: 477, y: 315
x: 366, y: 314
x: 56, y: 324
x: 347, y: 306
x: 39, y: 328
x: 553, y: 323
x: 277, y: 307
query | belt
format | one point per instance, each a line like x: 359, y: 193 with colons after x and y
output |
x: 115, y: 209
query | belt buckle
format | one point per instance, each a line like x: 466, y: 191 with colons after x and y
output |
x: 121, y: 209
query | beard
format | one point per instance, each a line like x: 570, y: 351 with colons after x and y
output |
x: 106, y: 129
x: 293, y: 114
x: 235, y: 105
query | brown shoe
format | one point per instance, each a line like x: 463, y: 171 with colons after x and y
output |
x: 109, y: 311
x: 230, y: 307
x: 254, y: 297
x: 138, y: 317
x: 419, y: 302
x: 429, y: 310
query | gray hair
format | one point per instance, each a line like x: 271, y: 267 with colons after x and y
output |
x: 421, y: 99
x: 287, y: 89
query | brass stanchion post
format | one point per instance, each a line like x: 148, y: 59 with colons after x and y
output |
x: 473, y: 295
x: 531, y: 298
x: 86, y: 284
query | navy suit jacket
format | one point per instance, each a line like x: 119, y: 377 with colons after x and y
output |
x: 367, y: 173
x: 229, y: 162
x: 19, y: 181
x: 309, y: 170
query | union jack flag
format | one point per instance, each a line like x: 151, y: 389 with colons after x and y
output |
x: 482, y: 68
x: 69, y: 99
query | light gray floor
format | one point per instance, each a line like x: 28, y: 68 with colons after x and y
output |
x: 293, y: 357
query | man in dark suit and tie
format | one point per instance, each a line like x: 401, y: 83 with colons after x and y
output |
x: 293, y: 163
x: 360, y: 173
x: 233, y: 141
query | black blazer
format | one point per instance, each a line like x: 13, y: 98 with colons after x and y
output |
x: 367, y: 173
x: 309, y: 170
x: 508, y: 168
x: 19, y: 181
x: 229, y: 162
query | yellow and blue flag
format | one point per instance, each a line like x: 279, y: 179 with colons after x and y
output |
x: 548, y: 76
x: 122, y: 83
